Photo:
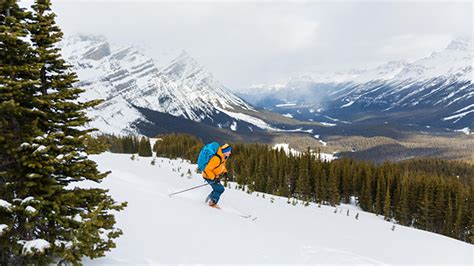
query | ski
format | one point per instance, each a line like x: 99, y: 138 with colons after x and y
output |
x: 245, y: 216
x: 232, y: 211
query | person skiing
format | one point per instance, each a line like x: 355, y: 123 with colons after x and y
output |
x: 213, y: 172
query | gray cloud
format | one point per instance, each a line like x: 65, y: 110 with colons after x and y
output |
x: 251, y: 42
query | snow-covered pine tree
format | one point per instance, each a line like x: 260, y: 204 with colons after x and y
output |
x: 43, y: 141
x: 18, y: 81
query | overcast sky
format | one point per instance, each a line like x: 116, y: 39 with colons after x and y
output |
x: 244, y: 43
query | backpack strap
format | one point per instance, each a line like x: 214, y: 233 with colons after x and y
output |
x: 220, y: 160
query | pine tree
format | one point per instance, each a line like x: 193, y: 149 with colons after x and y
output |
x: 18, y: 127
x: 366, y: 197
x: 332, y: 191
x: 387, y: 204
x: 425, y: 219
x: 346, y: 182
x: 317, y: 181
x: 144, y: 148
x: 51, y: 151
x: 448, y: 219
x: 439, y: 207
x: 303, y: 182
x: 378, y: 195
x: 402, y: 206
x: 323, y: 186
x: 459, y: 221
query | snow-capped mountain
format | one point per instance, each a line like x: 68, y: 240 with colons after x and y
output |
x: 132, y: 84
x: 434, y: 91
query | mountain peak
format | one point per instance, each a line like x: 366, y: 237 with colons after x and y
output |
x: 397, y: 63
x: 93, y: 47
x: 87, y: 38
x: 175, y: 83
x: 184, y: 66
x: 460, y: 44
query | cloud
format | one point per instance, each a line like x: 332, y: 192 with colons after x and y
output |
x: 251, y: 42
x: 409, y: 46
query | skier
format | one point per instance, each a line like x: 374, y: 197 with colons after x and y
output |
x: 213, y: 172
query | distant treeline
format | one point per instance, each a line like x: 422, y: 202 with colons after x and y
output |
x: 431, y: 194
x: 126, y: 144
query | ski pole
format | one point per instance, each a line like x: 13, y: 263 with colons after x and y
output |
x: 174, y: 193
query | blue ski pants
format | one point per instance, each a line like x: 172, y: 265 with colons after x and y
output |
x: 217, y: 189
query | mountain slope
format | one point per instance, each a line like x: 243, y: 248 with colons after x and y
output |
x: 174, y: 84
x: 182, y: 229
x: 434, y: 91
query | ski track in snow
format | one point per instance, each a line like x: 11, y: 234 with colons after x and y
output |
x: 182, y: 229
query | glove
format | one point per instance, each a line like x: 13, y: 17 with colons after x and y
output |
x: 226, y: 176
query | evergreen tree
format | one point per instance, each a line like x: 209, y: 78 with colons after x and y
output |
x: 439, y: 206
x: 303, y: 186
x: 346, y: 183
x: 402, y: 207
x: 284, y: 190
x: 448, y: 219
x: 459, y: 221
x: 47, y: 150
x: 323, y: 186
x: 425, y: 218
x: 332, y: 190
x: 144, y: 148
x: 18, y: 124
x: 378, y: 195
x: 387, y: 204
x: 366, y: 197
x: 272, y: 178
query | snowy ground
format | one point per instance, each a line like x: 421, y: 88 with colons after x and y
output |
x: 182, y: 229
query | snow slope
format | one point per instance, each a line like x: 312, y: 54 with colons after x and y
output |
x: 182, y: 229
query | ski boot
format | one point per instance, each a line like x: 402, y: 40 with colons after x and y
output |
x: 212, y: 204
